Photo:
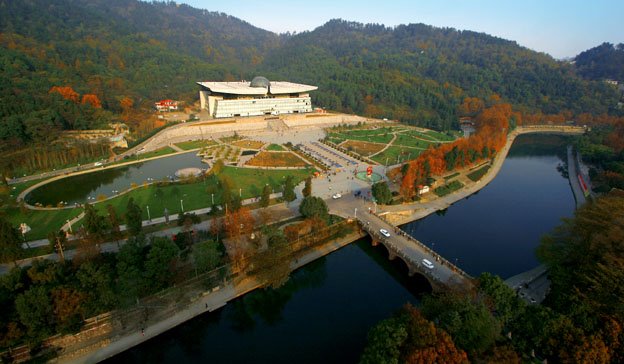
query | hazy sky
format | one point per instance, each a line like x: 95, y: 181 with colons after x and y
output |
x: 562, y: 28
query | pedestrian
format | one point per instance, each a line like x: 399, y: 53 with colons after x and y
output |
x: 142, y: 331
x: 206, y: 306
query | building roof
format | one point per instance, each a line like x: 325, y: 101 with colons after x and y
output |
x: 258, y: 88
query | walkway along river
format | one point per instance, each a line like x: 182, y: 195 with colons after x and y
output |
x: 325, y: 311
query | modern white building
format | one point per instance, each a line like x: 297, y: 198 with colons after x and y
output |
x: 258, y: 97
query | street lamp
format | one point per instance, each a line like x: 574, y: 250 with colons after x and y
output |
x: 181, y: 205
x: 149, y: 217
x: 240, y: 192
x: 212, y: 196
x: 355, y: 213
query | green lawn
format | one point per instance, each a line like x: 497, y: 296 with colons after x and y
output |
x: 157, y: 153
x: 476, y: 175
x: 195, y: 196
x: 275, y: 148
x: 408, y: 141
x: 450, y: 187
x: 195, y: 144
x: 392, y: 153
x: 40, y: 221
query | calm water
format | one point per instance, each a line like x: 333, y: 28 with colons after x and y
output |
x: 80, y: 188
x: 498, y: 229
x: 323, y: 313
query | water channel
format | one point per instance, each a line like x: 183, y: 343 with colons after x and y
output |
x: 86, y: 187
x: 323, y: 313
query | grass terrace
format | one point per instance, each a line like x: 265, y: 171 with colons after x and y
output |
x: 403, y: 142
x: 276, y: 159
x: 195, y: 144
x: 275, y: 148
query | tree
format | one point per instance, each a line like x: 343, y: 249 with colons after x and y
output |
x: 35, y: 311
x: 94, y: 224
x: 131, y: 284
x: 266, y: 196
x: 382, y: 193
x: 501, y: 299
x: 408, y: 337
x: 10, y: 242
x: 92, y: 100
x: 113, y: 222
x: 97, y: 280
x: 469, y: 322
x: 314, y: 207
x: 160, y: 266
x: 134, y: 219
x: 67, y: 306
x: 206, y: 256
x: 289, y: 189
x: 307, y: 188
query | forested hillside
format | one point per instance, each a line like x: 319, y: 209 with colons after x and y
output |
x: 112, y: 57
x: 605, y: 61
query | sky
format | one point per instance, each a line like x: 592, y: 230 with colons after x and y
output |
x: 561, y: 28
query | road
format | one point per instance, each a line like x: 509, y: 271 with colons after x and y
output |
x: 410, y: 250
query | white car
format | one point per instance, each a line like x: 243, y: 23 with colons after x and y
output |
x: 97, y: 164
x: 384, y: 232
x: 336, y: 196
x: 427, y: 263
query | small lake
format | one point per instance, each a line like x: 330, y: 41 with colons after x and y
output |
x: 323, y: 314
x: 86, y: 187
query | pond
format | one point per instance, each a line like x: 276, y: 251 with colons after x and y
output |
x: 87, y: 187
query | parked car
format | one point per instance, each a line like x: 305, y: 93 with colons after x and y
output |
x: 427, y: 263
x: 384, y: 232
x: 97, y: 164
x: 336, y: 196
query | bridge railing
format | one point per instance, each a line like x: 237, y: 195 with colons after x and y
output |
x: 408, y: 259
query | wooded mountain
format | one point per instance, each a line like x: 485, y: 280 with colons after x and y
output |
x: 130, y: 53
x: 605, y: 61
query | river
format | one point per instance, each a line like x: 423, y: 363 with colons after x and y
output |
x: 324, y: 311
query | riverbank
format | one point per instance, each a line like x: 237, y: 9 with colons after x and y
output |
x: 406, y: 213
x: 109, y: 345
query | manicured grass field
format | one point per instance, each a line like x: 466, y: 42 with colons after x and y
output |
x: 394, y: 155
x: 362, y: 148
x: 195, y: 195
x: 40, y: 221
x: 276, y: 159
x: 406, y: 142
x: 157, y: 153
x: 195, y: 144
x: 275, y: 148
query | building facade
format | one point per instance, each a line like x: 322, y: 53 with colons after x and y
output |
x: 258, y: 97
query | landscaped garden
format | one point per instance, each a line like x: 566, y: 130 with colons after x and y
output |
x: 448, y: 188
x: 248, y: 144
x: 248, y: 182
x: 478, y: 173
x: 195, y: 144
x: 276, y: 159
x: 387, y: 145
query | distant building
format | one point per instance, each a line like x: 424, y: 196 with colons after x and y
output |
x: 166, y: 105
x: 258, y: 97
x: 612, y: 82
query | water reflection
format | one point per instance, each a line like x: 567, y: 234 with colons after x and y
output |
x: 87, y: 187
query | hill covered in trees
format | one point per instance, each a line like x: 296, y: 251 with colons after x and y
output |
x: 605, y: 61
x: 125, y: 54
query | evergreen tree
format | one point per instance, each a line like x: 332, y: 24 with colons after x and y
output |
x: 289, y: 189
x: 134, y: 219
x: 10, y: 242
x: 307, y: 189
x: 266, y: 196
